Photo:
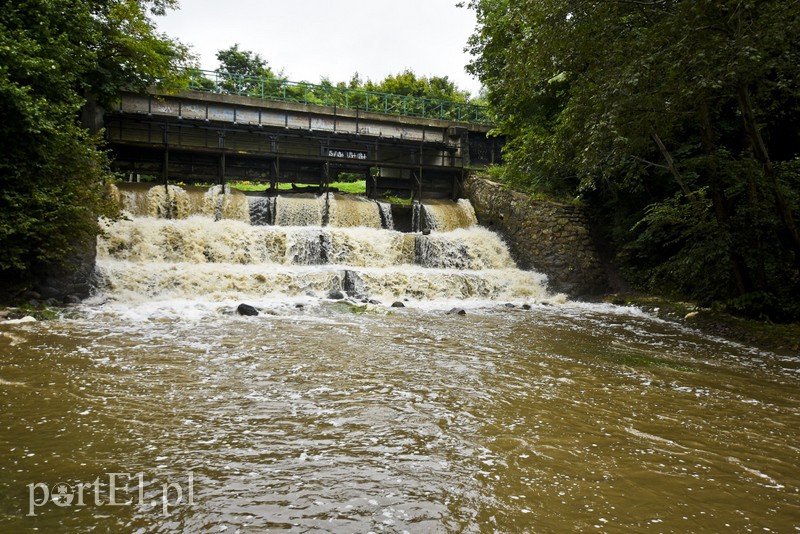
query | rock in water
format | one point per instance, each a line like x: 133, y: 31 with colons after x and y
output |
x: 457, y: 311
x: 336, y: 295
x: 353, y: 285
x: 398, y: 304
x: 246, y: 309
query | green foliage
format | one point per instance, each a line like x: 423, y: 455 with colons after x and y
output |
x: 247, y: 73
x: 242, y: 70
x: 407, y: 83
x: 242, y: 63
x: 393, y: 199
x: 677, y: 249
x: 349, y: 177
x: 675, y: 120
x: 54, y: 54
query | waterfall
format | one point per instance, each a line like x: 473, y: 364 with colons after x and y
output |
x: 306, y: 246
x: 299, y: 210
x: 189, y: 243
x: 387, y: 219
x: 349, y: 211
x: 262, y: 210
x: 416, y: 216
x: 180, y: 202
x: 226, y: 203
x: 445, y: 216
x: 474, y: 248
x: 223, y: 202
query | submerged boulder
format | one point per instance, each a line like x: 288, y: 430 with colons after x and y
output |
x: 246, y: 309
x: 457, y: 311
x: 335, y: 294
x: 398, y: 304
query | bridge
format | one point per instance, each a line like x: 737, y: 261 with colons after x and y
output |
x: 291, y: 134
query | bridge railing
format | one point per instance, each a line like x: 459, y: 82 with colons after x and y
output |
x: 331, y: 95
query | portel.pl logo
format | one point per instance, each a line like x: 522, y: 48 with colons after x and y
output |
x: 121, y: 489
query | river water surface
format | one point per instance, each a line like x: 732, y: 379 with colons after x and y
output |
x: 153, y: 407
x: 567, y: 417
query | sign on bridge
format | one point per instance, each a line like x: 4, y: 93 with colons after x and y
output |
x: 345, y: 153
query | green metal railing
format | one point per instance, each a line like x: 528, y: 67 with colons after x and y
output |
x: 330, y: 95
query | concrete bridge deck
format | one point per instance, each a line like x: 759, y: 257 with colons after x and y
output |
x: 201, y: 136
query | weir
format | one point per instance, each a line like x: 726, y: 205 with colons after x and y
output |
x: 178, y: 242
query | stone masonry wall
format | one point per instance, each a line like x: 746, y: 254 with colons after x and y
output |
x: 548, y: 237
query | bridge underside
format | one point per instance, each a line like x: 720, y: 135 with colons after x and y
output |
x: 205, y: 153
x: 300, y: 145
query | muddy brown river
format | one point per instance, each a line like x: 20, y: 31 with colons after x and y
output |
x: 559, y: 418
x: 153, y: 407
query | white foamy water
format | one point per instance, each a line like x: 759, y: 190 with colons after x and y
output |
x: 219, y: 244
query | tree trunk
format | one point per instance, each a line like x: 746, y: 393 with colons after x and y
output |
x: 720, y: 201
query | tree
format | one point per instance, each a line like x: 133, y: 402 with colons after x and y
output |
x: 663, y: 112
x: 237, y: 62
x: 56, y: 55
x: 244, y: 72
x: 407, y: 83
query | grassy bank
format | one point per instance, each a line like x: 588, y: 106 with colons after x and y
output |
x: 356, y: 188
x: 781, y: 339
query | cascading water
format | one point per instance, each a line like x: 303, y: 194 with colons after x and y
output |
x: 444, y: 215
x: 226, y: 203
x: 299, y: 210
x: 387, y: 219
x: 350, y: 211
x: 220, y: 243
x: 180, y: 202
x: 262, y: 210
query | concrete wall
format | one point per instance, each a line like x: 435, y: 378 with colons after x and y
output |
x: 548, y: 237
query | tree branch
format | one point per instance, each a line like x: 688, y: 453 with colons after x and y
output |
x: 671, y: 164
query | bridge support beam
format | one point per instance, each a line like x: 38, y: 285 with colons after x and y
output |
x: 326, y: 176
x: 165, y: 163
x: 221, y: 144
x: 372, y: 183
x: 274, y: 172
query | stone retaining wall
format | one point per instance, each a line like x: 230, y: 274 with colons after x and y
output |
x: 548, y: 237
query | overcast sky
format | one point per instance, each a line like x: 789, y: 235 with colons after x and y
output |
x: 309, y: 39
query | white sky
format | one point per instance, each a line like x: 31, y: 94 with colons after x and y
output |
x: 310, y: 39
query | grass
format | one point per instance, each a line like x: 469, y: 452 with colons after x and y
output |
x: 397, y: 200
x: 356, y: 188
x: 359, y: 187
